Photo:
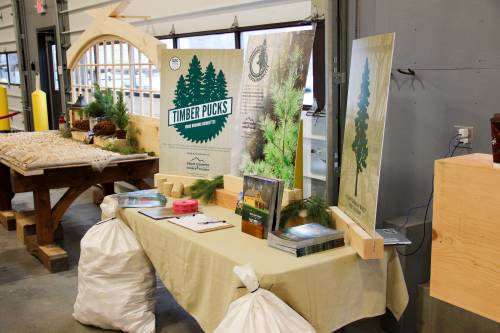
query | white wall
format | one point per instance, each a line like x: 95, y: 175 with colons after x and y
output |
x: 8, y: 44
x: 197, y: 15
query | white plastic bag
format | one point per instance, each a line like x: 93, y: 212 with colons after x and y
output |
x: 260, y: 311
x: 116, y: 281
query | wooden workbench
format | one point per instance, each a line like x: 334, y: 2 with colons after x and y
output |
x: 77, y: 178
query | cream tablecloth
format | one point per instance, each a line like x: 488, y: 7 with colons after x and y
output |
x: 329, y: 289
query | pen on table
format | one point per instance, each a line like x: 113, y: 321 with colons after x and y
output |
x: 209, y: 222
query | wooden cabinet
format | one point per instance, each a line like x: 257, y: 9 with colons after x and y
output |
x: 465, y: 267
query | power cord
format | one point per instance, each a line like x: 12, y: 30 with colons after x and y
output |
x: 431, y: 195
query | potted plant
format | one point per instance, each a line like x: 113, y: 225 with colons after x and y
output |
x: 100, y: 107
x: 119, y: 116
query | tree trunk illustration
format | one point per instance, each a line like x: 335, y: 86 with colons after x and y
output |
x: 360, y: 143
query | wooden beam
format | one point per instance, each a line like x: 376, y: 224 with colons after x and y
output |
x: 43, y: 217
x: 367, y: 246
x: 8, y: 219
x: 63, y: 204
x: 85, y: 175
x: 6, y: 193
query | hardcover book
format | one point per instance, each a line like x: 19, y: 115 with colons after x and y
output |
x: 260, y: 198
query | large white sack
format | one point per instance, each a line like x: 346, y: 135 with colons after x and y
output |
x: 260, y: 311
x: 116, y: 281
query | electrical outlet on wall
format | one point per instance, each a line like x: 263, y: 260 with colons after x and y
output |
x: 465, y: 135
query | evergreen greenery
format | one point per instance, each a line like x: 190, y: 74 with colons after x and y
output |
x: 360, y: 143
x: 205, y: 188
x: 119, y: 114
x: 102, y: 105
x: 281, y: 129
x: 316, y: 208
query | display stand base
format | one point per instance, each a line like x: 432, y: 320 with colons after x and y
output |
x: 8, y: 219
x: 367, y: 246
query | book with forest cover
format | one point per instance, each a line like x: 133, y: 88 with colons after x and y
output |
x: 260, y: 198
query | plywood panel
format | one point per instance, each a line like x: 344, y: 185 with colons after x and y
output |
x: 465, y: 268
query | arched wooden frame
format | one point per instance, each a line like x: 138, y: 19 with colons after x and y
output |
x: 106, y: 27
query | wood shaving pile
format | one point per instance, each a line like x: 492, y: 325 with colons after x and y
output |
x: 39, y: 150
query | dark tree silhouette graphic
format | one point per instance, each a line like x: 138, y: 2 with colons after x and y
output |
x: 181, y: 98
x: 220, y: 87
x: 209, y: 84
x: 360, y: 143
x: 195, y: 82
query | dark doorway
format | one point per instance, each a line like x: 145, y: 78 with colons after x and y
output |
x: 49, y: 79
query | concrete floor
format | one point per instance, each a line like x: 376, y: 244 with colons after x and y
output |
x: 33, y: 300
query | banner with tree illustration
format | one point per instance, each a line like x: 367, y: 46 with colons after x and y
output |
x: 272, y: 93
x: 368, y: 92
x: 199, y: 96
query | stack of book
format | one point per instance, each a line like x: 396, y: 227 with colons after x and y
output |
x: 261, y: 206
x: 306, y: 239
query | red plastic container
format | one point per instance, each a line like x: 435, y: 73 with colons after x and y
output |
x: 185, y: 206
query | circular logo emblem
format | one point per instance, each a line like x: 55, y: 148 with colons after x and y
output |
x: 175, y: 63
x: 258, y: 64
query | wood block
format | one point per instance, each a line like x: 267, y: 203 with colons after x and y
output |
x: 166, y: 188
x: 177, y: 190
x: 233, y: 183
x: 26, y: 225
x: 158, y: 178
x: 255, y: 230
x: 226, y: 199
x: 185, y: 180
x: 102, y: 141
x: 366, y: 245
x: 8, y: 219
x: 54, y: 258
x: 78, y: 135
x: 465, y: 269
x: 187, y: 190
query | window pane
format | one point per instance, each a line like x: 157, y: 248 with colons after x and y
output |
x: 135, y: 56
x: 13, y: 68
x: 145, y: 78
x: 144, y: 59
x: 169, y: 42
x: 101, y: 54
x: 118, y: 78
x: 4, y: 75
x: 126, y: 78
x: 109, y: 54
x: 246, y: 34
x: 155, y: 76
x: 116, y: 53
x: 218, y: 41
x: 308, y: 89
x: 124, y: 53
x: 54, y: 67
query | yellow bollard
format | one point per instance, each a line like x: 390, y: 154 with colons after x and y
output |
x: 40, y: 115
x: 4, y: 109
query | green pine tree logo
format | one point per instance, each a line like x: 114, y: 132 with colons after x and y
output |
x: 360, y: 143
x: 196, y: 88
